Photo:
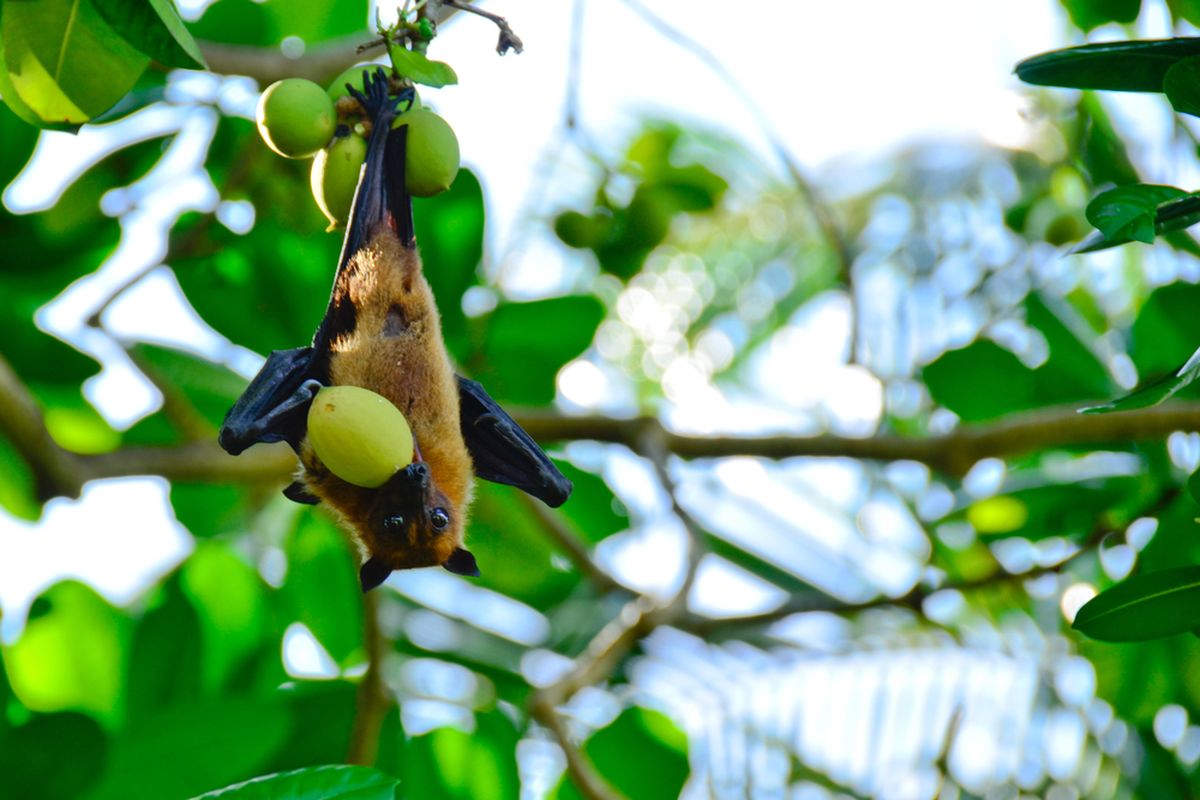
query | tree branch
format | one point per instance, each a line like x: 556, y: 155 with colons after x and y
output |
x: 203, y: 462
x: 915, y: 599
x: 953, y: 453
x: 372, y: 701
x: 56, y: 470
x: 320, y: 62
x: 562, y: 533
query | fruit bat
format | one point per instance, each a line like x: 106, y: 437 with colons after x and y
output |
x: 381, y: 331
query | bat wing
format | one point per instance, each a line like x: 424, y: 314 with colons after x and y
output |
x: 503, y: 452
x: 274, y: 407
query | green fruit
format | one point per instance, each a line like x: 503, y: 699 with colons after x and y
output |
x: 352, y: 76
x: 296, y: 117
x: 359, y: 435
x: 334, y: 176
x: 431, y: 159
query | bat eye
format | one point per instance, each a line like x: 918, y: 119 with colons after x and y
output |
x: 439, y: 518
x: 393, y: 523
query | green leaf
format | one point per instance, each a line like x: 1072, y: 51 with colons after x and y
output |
x: 212, y: 388
x: 1193, y: 485
x: 323, y: 713
x: 528, y: 343
x: 1072, y: 360
x: 64, y: 61
x: 1182, y: 85
x: 1130, y: 212
x: 187, y: 749
x: 1148, y: 606
x: 1154, y: 392
x: 595, y: 510
x: 1134, y: 66
x: 1164, y: 338
x: 1103, y: 151
x: 70, y: 657
x: 450, y: 764
x: 449, y: 229
x: 1088, y: 14
x: 166, y: 657
x: 661, y: 767
x: 1167, y: 329
x: 981, y: 381
x: 155, y: 28
x: 229, y: 597
x: 322, y: 587
x: 515, y: 555
x: 208, y: 509
x: 52, y: 756
x: 18, y: 488
x: 268, y: 23
x: 420, y: 68
x: 265, y: 291
x: 333, y: 782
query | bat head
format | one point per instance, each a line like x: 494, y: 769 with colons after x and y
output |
x: 413, y: 524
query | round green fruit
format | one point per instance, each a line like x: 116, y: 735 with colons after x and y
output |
x: 352, y: 76
x: 359, y: 435
x: 334, y: 176
x: 296, y: 117
x: 431, y: 155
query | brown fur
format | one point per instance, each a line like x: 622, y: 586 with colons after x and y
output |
x: 396, y: 349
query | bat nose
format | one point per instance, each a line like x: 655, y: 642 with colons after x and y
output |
x: 419, y: 473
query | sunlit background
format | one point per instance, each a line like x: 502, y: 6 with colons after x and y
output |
x: 915, y: 128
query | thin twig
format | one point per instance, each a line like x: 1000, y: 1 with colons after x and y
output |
x: 915, y: 599
x: 508, y: 39
x: 583, y: 774
x: 177, y: 407
x: 373, y: 700
x: 652, y: 445
x: 568, y: 540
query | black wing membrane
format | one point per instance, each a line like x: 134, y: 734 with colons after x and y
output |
x: 503, y: 452
x: 274, y: 407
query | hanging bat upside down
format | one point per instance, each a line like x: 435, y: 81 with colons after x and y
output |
x: 382, y: 332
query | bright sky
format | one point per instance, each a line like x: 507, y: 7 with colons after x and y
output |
x: 833, y: 79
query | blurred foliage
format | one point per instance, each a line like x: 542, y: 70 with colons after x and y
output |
x: 929, y: 290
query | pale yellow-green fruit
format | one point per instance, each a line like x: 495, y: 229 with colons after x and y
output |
x: 295, y: 117
x: 334, y: 177
x: 352, y: 76
x: 431, y: 156
x: 359, y: 435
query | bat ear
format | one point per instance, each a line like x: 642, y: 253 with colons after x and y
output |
x: 461, y: 562
x: 297, y: 492
x: 372, y: 573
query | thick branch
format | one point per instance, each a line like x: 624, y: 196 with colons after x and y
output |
x: 197, y: 461
x: 953, y: 453
x: 56, y: 470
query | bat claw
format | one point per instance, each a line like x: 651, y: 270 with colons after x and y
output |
x: 377, y: 99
